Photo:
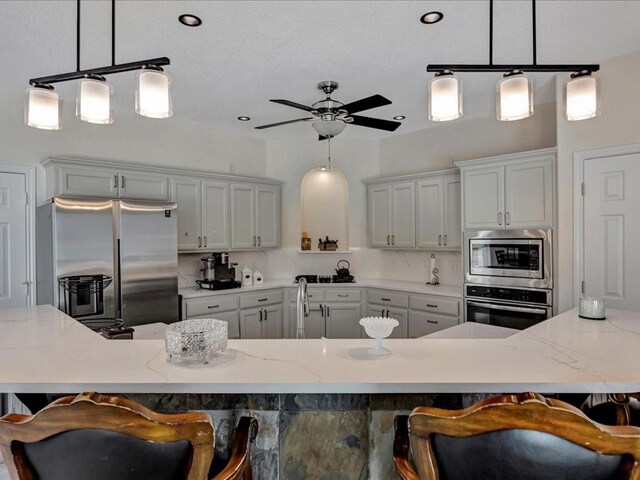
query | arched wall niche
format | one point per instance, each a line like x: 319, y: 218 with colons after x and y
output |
x: 325, y: 207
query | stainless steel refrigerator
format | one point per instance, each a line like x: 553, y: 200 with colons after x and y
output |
x: 108, y: 259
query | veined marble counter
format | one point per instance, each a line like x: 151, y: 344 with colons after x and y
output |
x: 402, y: 286
x: 43, y: 350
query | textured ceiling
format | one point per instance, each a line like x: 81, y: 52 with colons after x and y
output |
x: 249, y: 51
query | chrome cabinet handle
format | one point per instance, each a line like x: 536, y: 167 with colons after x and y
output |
x: 322, y: 309
x: 393, y: 240
x: 499, y: 218
x: 389, y: 240
x: 445, y: 239
x: 115, y: 181
x: 387, y: 314
x: 328, y: 311
x: 205, y: 241
x: 508, y: 218
x: 199, y: 241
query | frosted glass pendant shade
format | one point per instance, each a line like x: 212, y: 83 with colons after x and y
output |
x: 445, y: 98
x: 93, y: 103
x: 329, y: 128
x: 581, y: 97
x: 43, y: 108
x: 514, y: 97
x: 153, y: 94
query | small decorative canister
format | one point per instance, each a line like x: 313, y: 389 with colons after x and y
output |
x: 258, y: 279
x: 592, y: 308
x: 247, y: 277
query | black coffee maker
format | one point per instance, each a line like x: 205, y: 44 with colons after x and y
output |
x: 218, y: 273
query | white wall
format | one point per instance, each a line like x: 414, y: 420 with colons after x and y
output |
x: 131, y: 138
x: 618, y: 124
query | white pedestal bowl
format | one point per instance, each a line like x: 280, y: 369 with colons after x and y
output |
x: 379, y: 328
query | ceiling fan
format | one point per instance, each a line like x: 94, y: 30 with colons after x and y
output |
x: 331, y: 116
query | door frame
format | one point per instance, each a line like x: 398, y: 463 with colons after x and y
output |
x: 30, y: 176
x: 579, y: 160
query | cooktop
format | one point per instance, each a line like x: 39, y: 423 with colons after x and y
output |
x: 326, y: 278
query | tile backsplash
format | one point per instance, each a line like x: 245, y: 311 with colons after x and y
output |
x: 285, y: 264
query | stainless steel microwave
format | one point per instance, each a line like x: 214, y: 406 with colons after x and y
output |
x: 509, y: 257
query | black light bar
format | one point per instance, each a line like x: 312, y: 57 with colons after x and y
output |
x: 509, y: 68
x: 123, y: 67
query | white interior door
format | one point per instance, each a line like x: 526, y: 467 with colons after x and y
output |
x: 611, y: 230
x: 14, y: 267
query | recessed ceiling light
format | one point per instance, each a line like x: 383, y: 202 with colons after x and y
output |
x: 190, y: 20
x: 399, y: 117
x: 244, y: 119
x: 431, y: 17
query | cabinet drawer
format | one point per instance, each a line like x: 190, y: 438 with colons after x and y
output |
x: 421, y: 323
x: 212, y: 304
x: 435, y: 304
x: 314, y: 294
x: 268, y: 297
x: 383, y: 297
x: 350, y: 295
x: 233, y: 327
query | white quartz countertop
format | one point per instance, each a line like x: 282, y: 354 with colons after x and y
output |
x: 43, y: 350
x: 473, y: 330
x: 402, y: 286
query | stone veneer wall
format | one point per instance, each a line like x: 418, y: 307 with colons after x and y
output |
x: 310, y: 436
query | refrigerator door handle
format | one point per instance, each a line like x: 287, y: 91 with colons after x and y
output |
x: 118, y: 271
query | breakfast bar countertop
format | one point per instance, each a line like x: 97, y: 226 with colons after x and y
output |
x: 43, y: 350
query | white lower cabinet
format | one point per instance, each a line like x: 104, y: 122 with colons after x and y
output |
x: 399, y: 314
x: 314, y: 324
x: 233, y: 327
x: 266, y: 322
x: 219, y: 307
x: 343, y: 320
x: 424, y: 323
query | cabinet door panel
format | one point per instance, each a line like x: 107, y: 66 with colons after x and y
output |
x: 528, y: 194
x: 342, y: 321
x: 272, y: 322
x: 430, y: 207
x: 233, y: 326
x: 421, y: 323
x: 250, y: 324
x: 484, y: 198
x: 186, y: 194
x: 215, y: 215
x: 314, y: 324
x: 141, y: 186
x: 268, y: 216
x: 403, y: 216
x: 452, y: 212
x: 243, y: 217
x: 87, y: 182
x: 399, y: 314
x: 379, y: 216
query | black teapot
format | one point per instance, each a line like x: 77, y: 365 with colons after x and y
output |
x: 343, y: 271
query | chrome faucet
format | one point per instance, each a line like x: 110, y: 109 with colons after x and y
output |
x: 302, y: 307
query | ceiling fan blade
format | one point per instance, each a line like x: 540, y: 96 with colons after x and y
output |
x: 378, y: 123
x: 289, y: 103
x: 374, y: 101
x: 283, y: 123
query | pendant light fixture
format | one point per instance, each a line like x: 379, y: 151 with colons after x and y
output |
x: 514, y: 92
x: 445, y: 97
x: 514, y: 97
x: 581, y: 97
x: 43, y: 107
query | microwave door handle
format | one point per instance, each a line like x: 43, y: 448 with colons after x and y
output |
x: 507, y: 308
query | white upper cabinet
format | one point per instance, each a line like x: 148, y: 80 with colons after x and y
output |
x: 403, y: 215
x: 416, y: 211
x: 203, y: 214
x: 509, y: 192
x: 380, y: 216
x: 73, y: 181
x: 255, y: 216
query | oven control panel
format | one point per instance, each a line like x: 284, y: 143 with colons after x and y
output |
x: 540, y: 297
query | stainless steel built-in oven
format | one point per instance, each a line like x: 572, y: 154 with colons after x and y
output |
x: 517, y: 308
x: 509, y: 257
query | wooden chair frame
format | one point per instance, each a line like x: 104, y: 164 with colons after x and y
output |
x: 527, y: 411
x: 95, y: 411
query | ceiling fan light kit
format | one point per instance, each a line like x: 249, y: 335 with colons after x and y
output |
x: 514, y: 92
x: 43, y: 106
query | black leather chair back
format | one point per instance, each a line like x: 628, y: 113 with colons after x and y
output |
x: 519, y: 454
x: 89, y: 454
